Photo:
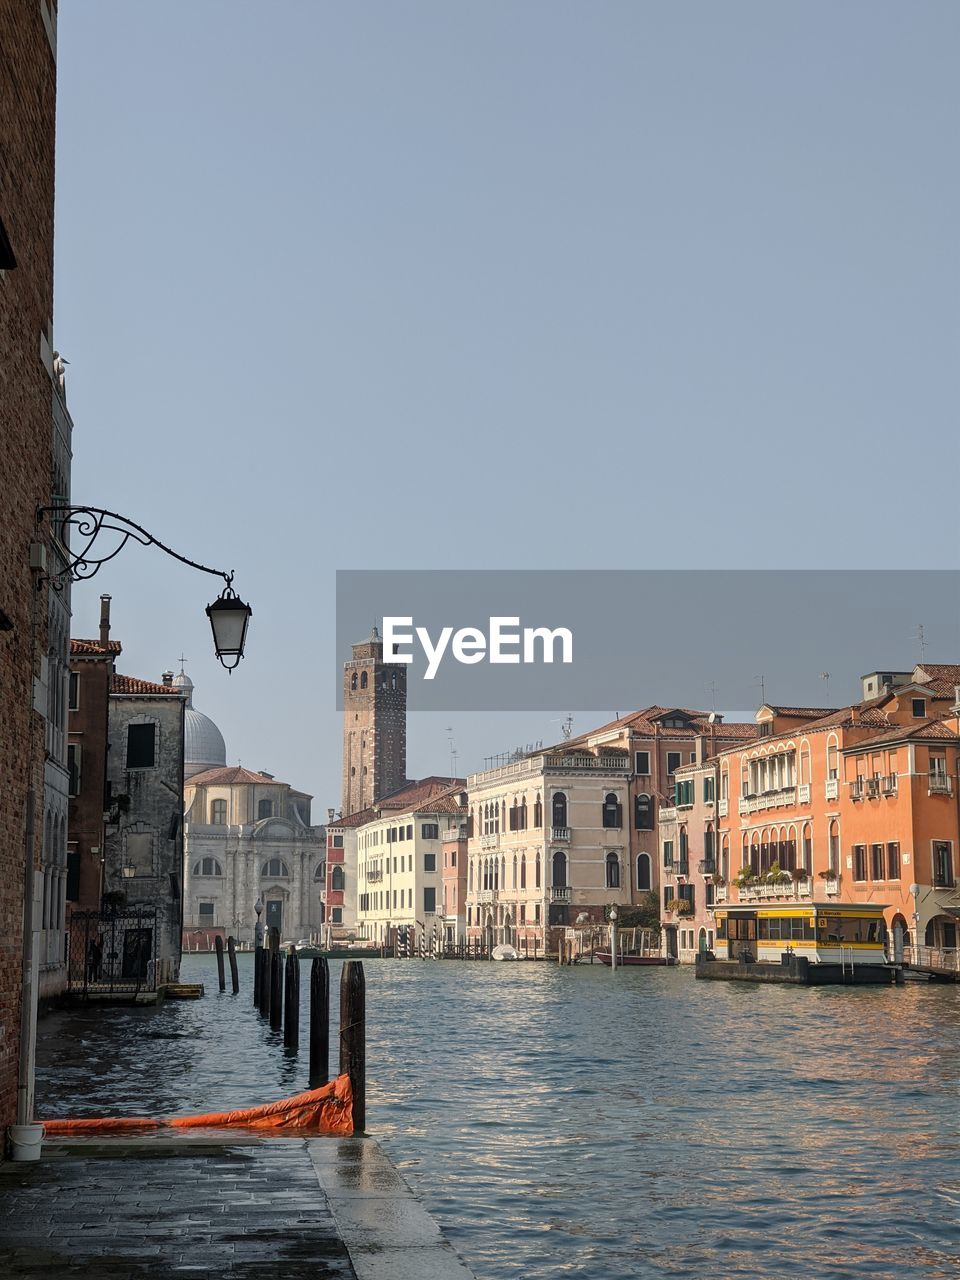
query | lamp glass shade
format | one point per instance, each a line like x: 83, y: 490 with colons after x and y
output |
x: 228, y: 620
x: 128, y: 871
x: 614, y: 913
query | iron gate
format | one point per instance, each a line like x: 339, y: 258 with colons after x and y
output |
x: 113, y: 951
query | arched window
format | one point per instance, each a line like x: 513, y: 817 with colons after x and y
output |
x: 613, y: 871
x: 523, y: 871
x: 218, y: 813
x: 207, y: 867
x: 338, y: 879
x: 503, y: 872
x: 320, y: 872
x: 275, y: 869
x: 559, y: 809
x: 265, y: 809
x: 559, y: 869
x: 538, y: 811
x: 514, y: 884
x: 612, y: 811
x: 522, y: 814
x: 643, y: 812
x: 643, y: 872
x: 363, y: 679
x: 537, y: 880
x: 353, y: 681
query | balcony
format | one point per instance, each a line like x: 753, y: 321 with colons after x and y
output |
x: 560, y: 893
x: 888, y: 785
x: 857, y: 789
x: 486, y: 897
x: 939, y: 785
x: 720, y: 893
x: 722, y: 806
x: 803, y: 793
x: 767, y: 800
x: 668, y: 814
x: 831, y: 884
x: 873, y: 788
x: 374, y: 875
x: 490, y: 841
x: 832, y: 789
x: 683, y: 867
x: 560, y: 835
x: 707, y: 866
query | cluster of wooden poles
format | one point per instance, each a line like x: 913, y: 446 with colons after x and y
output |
x: 276, y: 996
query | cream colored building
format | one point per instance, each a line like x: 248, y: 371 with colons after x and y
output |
x: 548, y: 845
x: 399, y: 850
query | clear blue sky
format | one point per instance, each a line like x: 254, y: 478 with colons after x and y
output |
x: 415, y: 284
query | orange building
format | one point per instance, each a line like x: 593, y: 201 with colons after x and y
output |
x: 856, y: 805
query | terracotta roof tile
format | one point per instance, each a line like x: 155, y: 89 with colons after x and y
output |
x: 130, y: 684
x: 230, y: 775
x: 923, y: 731
x: 946, y: 671
x: 93, y: 648
x: 815, y: 713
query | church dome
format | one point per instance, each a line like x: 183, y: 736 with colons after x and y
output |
x: 203, y: 744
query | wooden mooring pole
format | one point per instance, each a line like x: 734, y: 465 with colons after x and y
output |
x: 257, y: 967
x: 353, y: 1039
x: 218, y: 946
x: 291, y: 1000
x: 319, y: 1022
x: 276, y: 981
x: 234, y: 972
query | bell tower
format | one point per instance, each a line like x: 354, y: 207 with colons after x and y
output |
x: 374, y: 726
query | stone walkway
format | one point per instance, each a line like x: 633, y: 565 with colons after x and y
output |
x: 202, y: 1206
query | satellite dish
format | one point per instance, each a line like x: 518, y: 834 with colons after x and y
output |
x: 711, y: 718
x: 915, y: 890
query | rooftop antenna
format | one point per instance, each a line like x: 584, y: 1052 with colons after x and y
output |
x: 182, y: 661
x: 567, y: 728
x: 453, y: 752
x: 763, y: 691
x: 825, y: 677
x: 712, y: 686
x: 920, y: 641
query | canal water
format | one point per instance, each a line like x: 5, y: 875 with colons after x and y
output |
x: 578, y: 1123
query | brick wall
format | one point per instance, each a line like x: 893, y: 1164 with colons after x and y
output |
x: 27, y: 109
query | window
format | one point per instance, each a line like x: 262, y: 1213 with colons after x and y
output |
x: 559, y: 869
x: 876, y: 862
x: 205, y: 914
x: 264, y: 810
x: 320, y: 872
x: 536, y: 883
x: 612, y: 812
x: 893, y: 861
x: 919, y: 708
x: 429, y: 862
x: 275, y: 868
x: 523, y: 871
x: 73, y: 874
x: 683, y: 794
x: 643, y: 812
x: 688, y: 894
x: 363, y: 679
x: 430, y: 831
x: 668, y: 895
x: 643, y: 872
x: 942, y: 865
x: 74, y: 700
x: 613, y: 871
x: 708, y: 789
x: 684, y: 860
x: 668, y: 853
x: 338, y: 842
x: 642, y: 763
x: 429, y: 901
x: 859, y: 862
x: 207, y: 867
x: 559, y: 810
x: 353, y: 681
x: 673, y: 761
x: 338, y: 879
x: 336, y: 915
x: 538, y: 811
x: 218, y: 813
x: 141, y: 746
x: 73, y: 768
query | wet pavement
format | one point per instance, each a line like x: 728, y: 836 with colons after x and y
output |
x: 201, y: 1206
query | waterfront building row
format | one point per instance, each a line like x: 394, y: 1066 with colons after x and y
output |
x: 832, y: 805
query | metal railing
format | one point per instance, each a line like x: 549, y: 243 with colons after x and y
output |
x: 112, y: 951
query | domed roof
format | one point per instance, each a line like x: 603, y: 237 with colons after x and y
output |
x: 203, y: 744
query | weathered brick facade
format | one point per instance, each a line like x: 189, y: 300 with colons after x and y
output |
x: 27, y: 113
x: 374, y: 726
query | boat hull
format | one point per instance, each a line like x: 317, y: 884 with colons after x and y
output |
x: 605, y: 958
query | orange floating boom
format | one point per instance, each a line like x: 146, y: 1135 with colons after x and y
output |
x: 326, y: 1110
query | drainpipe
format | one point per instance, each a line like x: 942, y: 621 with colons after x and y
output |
x: 31, y: 972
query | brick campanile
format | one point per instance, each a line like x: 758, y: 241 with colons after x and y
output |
x: 374, y: 726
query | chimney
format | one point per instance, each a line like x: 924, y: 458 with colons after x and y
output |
x: 104, y: 620
x: 167, y: 678
x: 855, y: 714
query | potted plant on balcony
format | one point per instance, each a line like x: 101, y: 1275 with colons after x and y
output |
x: 829, y: 874
x: 720, y: 880
x: 680, y: 905
x: 745, y: 878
